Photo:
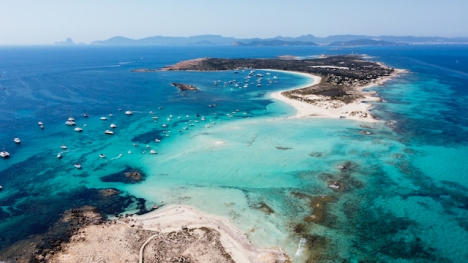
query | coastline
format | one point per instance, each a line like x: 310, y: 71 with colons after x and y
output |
x: 358, y: 110
x: 149, y: 234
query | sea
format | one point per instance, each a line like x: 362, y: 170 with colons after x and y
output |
x: 235, y: 152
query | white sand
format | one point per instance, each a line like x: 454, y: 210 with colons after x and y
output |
x: 356, y: 110
x: 172, y: 218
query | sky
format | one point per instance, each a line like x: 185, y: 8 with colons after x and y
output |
x: 33, y: 22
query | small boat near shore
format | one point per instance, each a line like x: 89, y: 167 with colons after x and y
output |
x: 70, y: 123
x: 113, y: 126
x: 78, y: 129
x: 102, y: 155
x: 78, y: 165
x: 128, y: 113
x: 103, y: 118
x: 59, y: 155
x: 63, y: 146
x: 109, y: 132
x: 157, y: 140
x: 153, y: 152
x: 17, y: 140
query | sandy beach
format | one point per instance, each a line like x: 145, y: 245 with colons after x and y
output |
x: 324, y: 108
x: 174, y: 232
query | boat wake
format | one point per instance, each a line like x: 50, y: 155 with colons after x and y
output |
x: 120, y: 155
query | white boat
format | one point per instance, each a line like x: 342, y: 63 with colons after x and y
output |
x: 129, y: 152
x: 157, y: 140
x: 155, y: 117
x: 203, y: 118
x: 187, y: 116
x: 78, y: 165
x: 190, y: 124
x: 109, y: 132
x: 63, y: 146
x: 207, y: 126
x: 70, y: 123
x: 153, y: 152
x: 128, y: 113
x: 78, y: 129
x: 71, y: 119
x: 167, y: 135
x: 151, y: 112
x: 17, y: 140
x: 85, y: 115
x: 170, y: 116
x: 110, y: 115
x: 103, y: 118
x: 4, y: 154
x: 102, y: 155
x: 42, y: 126
x: 1, y: 188
x: 40, y: 123
x: 135, y: 144
x: 164, y: 125
x: 59, y: 155
x: 168, y: 119
x: 113, y: 126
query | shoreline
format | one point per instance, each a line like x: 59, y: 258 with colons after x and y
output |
x: 179, y: 231
x: 358, y: 110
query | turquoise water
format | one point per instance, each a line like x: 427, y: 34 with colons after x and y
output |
x: 405, y: 193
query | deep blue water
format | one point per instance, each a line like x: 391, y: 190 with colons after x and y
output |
x: 407, y: 200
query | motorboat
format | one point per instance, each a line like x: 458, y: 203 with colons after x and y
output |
x: 155, y: 117
x: 71, y: 119
x: 164, y: 125
x: 203, y: 118
x: 85, y: 115
x: 17, y: 140
x: 70, y: 123
x: 103, y: 118
x: 59, y: 155
x: 109, y: 132
x: 128, y: 113
x: 78, y: 129
x: 40, y: 123
x: 157, y: 140
x: 187, y: 116
x: 42, y: 126
x: 110, y: 115
x: 63, y: 146
x: 1, y: 188
x: 102, y: 155
x: 78, y: 165
x: 135, y: 144
x: 153, y: 152
x: 151, y: 112
x: 4, y: 154
x: 207, y: 126
x: 113, y: 126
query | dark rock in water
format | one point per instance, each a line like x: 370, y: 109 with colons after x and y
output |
x: 127, y: 176
x: 44, y: 229
x: 184, y: 87
x: 283, y: 148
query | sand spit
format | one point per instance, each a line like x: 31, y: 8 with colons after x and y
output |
x: 324, y: 107
x: 172, y: 234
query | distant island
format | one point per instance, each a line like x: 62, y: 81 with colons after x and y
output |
x: 366, y: 42
x: 305, y: 40
x: 273, y: 43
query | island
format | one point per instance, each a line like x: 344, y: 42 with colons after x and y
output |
x: 336, y: 89
x: 183, y: 87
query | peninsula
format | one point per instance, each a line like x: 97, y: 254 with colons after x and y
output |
x: 337, y: 90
